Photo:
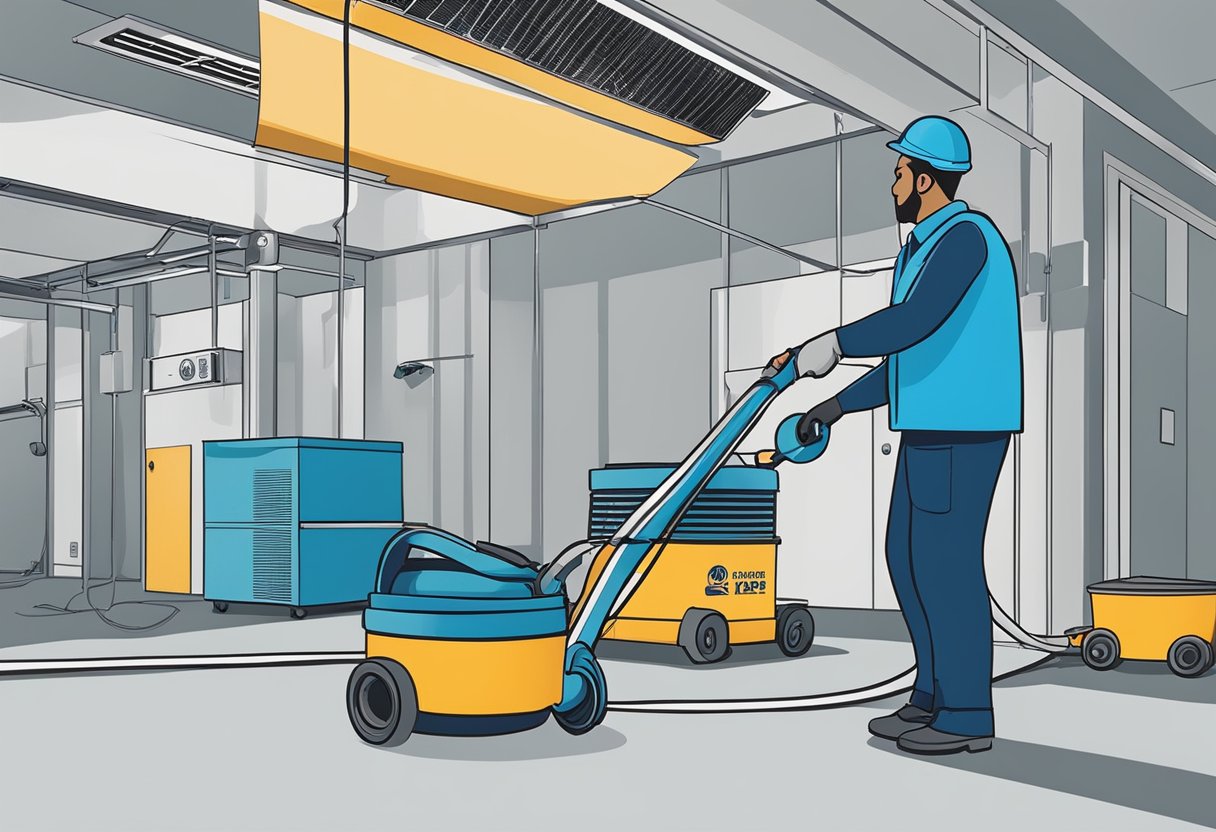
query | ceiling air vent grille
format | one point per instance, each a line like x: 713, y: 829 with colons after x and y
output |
x: 151, y: 45
x: 593, y: 45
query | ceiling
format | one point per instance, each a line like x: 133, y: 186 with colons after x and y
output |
x: 1169, y: 43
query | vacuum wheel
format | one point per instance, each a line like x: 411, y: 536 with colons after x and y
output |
x: 1100, y: 649
x: 381, y: 702
x: 795, y: 629
x: 704, y: 635
x: 591, y: 706
x: 219, y: 606
x: 1190, y: 656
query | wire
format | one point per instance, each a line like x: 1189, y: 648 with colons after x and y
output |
x: 54, y: 611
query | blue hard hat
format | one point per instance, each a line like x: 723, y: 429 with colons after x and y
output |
x: 936, y: 140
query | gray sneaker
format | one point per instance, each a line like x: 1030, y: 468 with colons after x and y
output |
x: 908, y: 718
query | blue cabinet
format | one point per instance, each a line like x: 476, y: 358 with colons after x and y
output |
x: 297, y: 521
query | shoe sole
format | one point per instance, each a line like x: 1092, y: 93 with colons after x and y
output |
x: 975, y: 746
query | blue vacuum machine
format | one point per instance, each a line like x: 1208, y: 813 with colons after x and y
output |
x: 475, y: 639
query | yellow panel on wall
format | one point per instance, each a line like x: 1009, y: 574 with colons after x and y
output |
x: 433, y: 126
x: 167, y: 519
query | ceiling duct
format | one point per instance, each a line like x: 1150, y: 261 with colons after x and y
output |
x: 531, y: 107
x: 597, y: 47
x: 141, y: 41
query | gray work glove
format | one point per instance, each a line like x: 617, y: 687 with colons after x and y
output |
x: 825, y: 413
x: 819, y: 355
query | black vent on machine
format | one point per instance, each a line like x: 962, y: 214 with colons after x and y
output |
x: 595, y: 46
x: 160, y: 51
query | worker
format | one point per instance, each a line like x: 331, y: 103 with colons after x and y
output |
x: 951, y: 376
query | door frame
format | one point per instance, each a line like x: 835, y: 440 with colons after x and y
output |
x: 1119, y: 182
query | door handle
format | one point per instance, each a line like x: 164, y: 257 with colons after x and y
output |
x: 886, y: 448
x: 151, y: 465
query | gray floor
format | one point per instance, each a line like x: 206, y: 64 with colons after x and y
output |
x: 270, y: 749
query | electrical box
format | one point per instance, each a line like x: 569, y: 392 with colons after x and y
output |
x: 195, y: 369
x: 112, y: 373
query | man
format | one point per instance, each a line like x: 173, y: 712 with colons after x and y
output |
x: 952, y: 378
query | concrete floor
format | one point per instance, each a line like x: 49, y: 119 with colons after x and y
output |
x: 270, y: 749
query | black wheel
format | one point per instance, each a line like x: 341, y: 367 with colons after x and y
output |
x: 588, y: 709
x: 795, y: 629
x: 298, y: 612
x: 219, y: 606
x: 1100, y: 649
x: 704, y: 635
x: 1190, y: 656
x: 381, y: 702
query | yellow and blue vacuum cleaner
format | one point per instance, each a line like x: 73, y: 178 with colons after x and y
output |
x: 474, y: 639
x: 714, y: 583
x: 1150, y: 619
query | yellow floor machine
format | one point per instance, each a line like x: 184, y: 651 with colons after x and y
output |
x: 474, y: 639
x: 714, y: 583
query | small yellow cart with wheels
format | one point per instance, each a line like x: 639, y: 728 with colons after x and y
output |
x: 712, y: 582
x: 1150, y: 619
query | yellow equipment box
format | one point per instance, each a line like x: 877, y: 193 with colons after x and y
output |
x: 713, y: 582
x: 1154, y: 619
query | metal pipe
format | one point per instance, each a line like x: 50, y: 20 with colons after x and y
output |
x: 1050, y: 386
x: 73, y: 304
x: 756, y: 241
x: 983, y: 67
x: 341, y: 231
x: 838, y: 120
x: 212, y: 268
x: 153, y: 277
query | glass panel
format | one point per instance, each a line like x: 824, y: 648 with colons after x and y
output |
x: 870, y: 230
x: 1007, y: 84
x: 1147, y: 253
x: 789, y: 201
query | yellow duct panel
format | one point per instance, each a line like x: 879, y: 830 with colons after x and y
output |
x: 474, y: 56
x: 432, y: 126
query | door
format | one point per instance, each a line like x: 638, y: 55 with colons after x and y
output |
x: 167, y: 519
x: 824, y: 508
x: 1154, y: 259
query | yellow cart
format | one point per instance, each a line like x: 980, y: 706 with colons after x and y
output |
x: 1150, y: 619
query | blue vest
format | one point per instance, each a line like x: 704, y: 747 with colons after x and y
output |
x: 967, y: 375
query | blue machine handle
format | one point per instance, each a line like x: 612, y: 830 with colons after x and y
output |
x: 653, y: 520
x: 404, y: 543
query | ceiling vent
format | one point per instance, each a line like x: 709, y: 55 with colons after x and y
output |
x: 597, y: 47
x: 141, y: 41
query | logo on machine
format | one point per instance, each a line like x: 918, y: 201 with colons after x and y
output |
x: 750, y: 583
x: 718, y: 576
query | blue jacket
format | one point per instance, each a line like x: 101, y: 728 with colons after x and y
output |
x: 952, y: 335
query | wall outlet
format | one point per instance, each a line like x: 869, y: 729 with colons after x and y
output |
x: 74, y: 549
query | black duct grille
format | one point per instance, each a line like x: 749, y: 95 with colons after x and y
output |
x: 272, y: 565
x: 151, y: 49
x: 597, y: 47
x: 273, y: 497
x: 719, y: 515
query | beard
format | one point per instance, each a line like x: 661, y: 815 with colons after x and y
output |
x: 909, y: 209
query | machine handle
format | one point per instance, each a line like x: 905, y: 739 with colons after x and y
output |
x: 886, y: 448
x: 402, y: 545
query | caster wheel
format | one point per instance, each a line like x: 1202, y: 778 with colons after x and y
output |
x: 219, y: 606
x: 591, y: 702
x: 795, y: 630
x: 704, y: 635
x: 1100, y: 649
x: 381, y: 702
x: 298, y: 612
x: 1190, y: 656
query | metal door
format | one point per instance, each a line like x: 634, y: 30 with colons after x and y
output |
x: 167, y: 518
x: 1153, y: 257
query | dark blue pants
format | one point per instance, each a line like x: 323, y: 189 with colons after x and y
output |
x: 935, y: 552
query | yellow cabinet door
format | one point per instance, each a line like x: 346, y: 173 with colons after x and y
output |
x: 167, y: 519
